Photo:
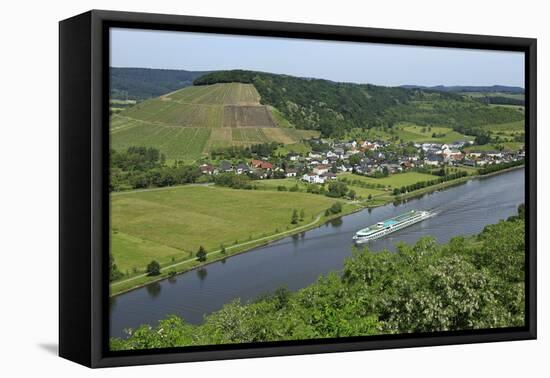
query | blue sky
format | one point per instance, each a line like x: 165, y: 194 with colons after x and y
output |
x: 339, y: 61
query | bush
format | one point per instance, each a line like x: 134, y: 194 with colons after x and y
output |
x: 153, y: 269
x: 336, y: 208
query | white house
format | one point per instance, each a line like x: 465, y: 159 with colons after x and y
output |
x: 321, y: 169
x: 291, y: 173
x: 313, y: 178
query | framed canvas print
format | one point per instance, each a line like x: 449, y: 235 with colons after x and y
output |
x: 234, y: 188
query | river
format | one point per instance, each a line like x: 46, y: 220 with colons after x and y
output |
x: 295, y: 262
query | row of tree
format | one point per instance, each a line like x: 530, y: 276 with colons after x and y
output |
x: 141, y: 167
x: 424, y: 184
x: 499, y: 167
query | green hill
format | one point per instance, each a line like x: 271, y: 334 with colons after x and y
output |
x: 336, y: 108
x: 192, y: 121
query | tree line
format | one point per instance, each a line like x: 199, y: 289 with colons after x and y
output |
x: 141, y: 167
x: 424, y: 184
x: 499, y: 167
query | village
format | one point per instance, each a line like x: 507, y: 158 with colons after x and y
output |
x: 366, y: 158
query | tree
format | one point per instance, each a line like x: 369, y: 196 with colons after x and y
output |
x: 114, y: 273
x: 153, y: 269
x: 336, y: 208
x: 201, y: 254
x: 294, y: 218
x: 337, y: 189
x: 222, y: 249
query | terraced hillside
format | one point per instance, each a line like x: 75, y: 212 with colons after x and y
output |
x: 194, y: 120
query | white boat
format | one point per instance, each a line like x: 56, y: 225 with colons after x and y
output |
x: 391, y: 225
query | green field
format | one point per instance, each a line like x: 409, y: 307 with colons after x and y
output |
x: 396, y: 180
x: 183, y: 143
x: 506, y: 146
x: 408, y: 132
x: 300, y: 148
x: 515, y: 96
x: 174, y: 222
x: 228, y: 114
x: 510, y: 126
x: 420, y: 134
x: 360, y: 191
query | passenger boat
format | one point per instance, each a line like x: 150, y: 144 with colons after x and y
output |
x: 391, y: 225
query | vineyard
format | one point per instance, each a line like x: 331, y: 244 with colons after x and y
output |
x: 193, y: 121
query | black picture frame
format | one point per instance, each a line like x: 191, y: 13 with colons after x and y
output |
x: 84, y: 197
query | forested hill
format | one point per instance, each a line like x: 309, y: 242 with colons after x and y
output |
x: 144, y: 83
x: 335, y: 108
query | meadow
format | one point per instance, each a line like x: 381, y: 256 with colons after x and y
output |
x: 170, y: 224
x: 394, y: 181
x: 184, y: 143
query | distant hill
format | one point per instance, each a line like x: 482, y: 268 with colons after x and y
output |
x: 470, y: 88
x: 336, y: 108
x: 144, y: 83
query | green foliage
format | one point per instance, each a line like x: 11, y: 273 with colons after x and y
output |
x: 233, y: 180
x: 114, y: 273
x: 153, y: 268
x: 336, y: 108
x: 499, y: 167
x: 443, y: 177
x: 201, y: 254
x: 294, y: 217
x: 140, y: 167
x: 336, y: 208
x: 337, y: 189
x: 468, y: 283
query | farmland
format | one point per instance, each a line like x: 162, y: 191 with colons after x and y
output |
x: 191, y: 122
x: 393, y: 181
x: 409, y: 132
x: 172, y: 223
x: 175, y: 142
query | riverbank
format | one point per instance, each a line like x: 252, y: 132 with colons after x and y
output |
x: 185, y: 265
x: 451, y: 183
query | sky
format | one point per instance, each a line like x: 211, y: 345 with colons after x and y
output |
x: 380, y: 64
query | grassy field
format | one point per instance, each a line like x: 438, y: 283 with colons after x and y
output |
x: 507, y: 146
x: 228, y: 114
x: 300, y: 148
x: 511, y: 126
x: 396, y: 180
x: 273, y: 184
x: 183, y: 143
x: 516, y: 96
x: 421, y: 134
x: 170, y: 224
x: 409, y: 132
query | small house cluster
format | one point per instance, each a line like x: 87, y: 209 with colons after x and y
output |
x: 371, y: 158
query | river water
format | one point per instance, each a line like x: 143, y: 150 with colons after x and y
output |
x: 295, y: 262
